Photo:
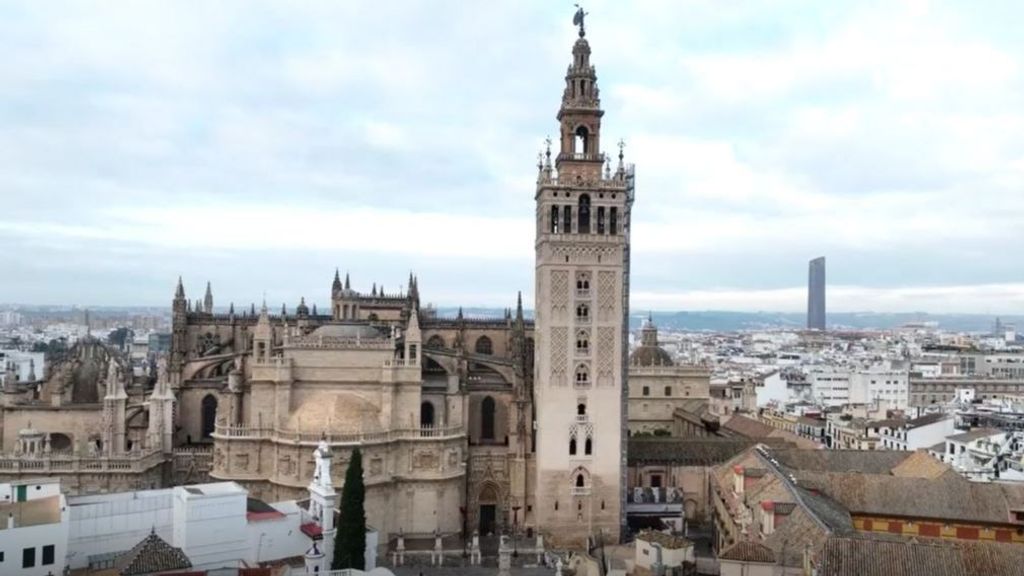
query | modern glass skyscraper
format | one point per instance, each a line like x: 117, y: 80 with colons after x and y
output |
x: 816, y: 294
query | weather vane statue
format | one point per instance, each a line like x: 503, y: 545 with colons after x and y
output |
x: 577, y: 19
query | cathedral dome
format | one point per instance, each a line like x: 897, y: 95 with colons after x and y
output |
x: 335, y: 413
x: 650, y: 356
x: 649, y: 353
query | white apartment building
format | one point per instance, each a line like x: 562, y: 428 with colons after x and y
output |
x: 830, y: 386
x: 889, y: 388
x: 33, y: 528
x: 919, y: 433
x: 835, y: 386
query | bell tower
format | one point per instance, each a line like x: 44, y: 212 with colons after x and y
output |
x: 581, y: 312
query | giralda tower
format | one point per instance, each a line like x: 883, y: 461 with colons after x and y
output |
x: 581, y: 314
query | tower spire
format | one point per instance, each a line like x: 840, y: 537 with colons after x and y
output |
x: 179, y: 292
x: 208, y: 299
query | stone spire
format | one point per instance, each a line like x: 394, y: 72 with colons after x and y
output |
x: 336, y: 285
x: 208, y: 299
x: 348, y: 285
x: 179, y: 292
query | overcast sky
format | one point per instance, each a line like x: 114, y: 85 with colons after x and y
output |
x: 261, y: 145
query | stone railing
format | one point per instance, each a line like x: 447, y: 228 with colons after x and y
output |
x: 270, y: 433
x: 70, y: 463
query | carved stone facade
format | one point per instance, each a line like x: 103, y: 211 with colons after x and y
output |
x: 581, y: 277
x: 440, y: 407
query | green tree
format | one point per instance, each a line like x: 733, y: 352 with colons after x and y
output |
x: 350, y: 537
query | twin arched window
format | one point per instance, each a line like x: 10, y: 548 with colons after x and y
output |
x: 582, y: 375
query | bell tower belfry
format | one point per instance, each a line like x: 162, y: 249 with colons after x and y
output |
x: 581, y: 313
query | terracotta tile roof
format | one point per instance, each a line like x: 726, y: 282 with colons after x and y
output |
x: 749, y: 551
x: 948, y: 497
x: 874, y: 557
x: 921, y: 465
x: 748, y: 427
x: 881, y: 555
x: 152, y: 554
x: 864, y: 461
x: 685, y: 451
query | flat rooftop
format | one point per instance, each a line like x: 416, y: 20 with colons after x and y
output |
x: 36, y: 512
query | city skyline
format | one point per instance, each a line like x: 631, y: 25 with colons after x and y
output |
x: 260, y: 149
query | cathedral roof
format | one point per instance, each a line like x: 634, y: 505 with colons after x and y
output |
x: 649, y: 353
x: 349, y: 331
x: 335, y: 413
x: 650, y: 356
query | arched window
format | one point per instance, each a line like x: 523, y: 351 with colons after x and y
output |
x: 600, y: 220
x: 426, y: 415
x: 582, y: 375
x: 572, y: 446
x: 588, y: 447
x: 668, y: 390
x: 582, y: 342
x: 582, y: 281
x: 209, y: 415
x: 554, y: 220
x: 487, y: 418
x: 581, y: 409
x: 484, y: 346
x: 580, y: 142
x: 581, y: 482
x: 567, y: 219
x: 436, y: 341
x: 60, y: 442
x: 613, y: 221
x: 584, y: 214
x: 582, y: 312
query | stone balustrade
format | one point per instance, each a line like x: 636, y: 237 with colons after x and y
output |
x: 71, y: 463
x: 244, y: 432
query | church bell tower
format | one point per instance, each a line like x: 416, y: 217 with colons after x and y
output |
x: 581, y: 312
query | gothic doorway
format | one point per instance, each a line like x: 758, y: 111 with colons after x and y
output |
x: 488, y: 514
x: 209, y: 414
x: 488, y: 517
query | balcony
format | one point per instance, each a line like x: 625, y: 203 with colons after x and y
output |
x: 576, y: 491
x: 581, y: 419
x: 583, y: 293
x: 582, y: 352
x: 582, y: 319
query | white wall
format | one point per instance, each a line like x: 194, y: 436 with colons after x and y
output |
x: 277, y: 538
x: 14, y: 541
x: 930, y: 435
x: 116, y: 522
x: 774, y: 389
x: 211, y: 527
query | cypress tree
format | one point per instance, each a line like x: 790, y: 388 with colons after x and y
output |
x: 350, y: 537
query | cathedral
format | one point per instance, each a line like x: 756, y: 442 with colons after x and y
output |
x: 466, y: 424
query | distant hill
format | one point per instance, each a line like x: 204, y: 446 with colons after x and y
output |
x: 724, y: 321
